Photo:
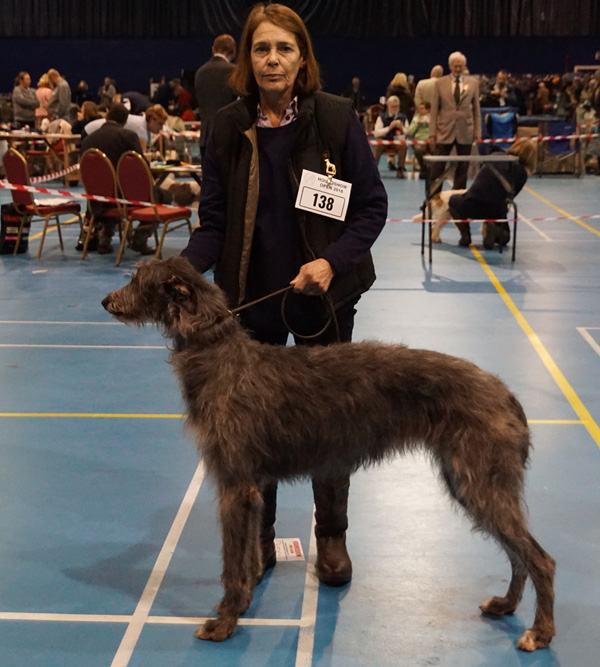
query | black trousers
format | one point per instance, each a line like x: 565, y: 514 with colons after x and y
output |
x: 462, y: 168
x: 331, y: 494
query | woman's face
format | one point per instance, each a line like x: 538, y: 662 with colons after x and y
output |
x: 276, y: 60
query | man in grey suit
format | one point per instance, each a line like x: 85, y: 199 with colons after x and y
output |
x: 212, y: 85
x: 455, y: 118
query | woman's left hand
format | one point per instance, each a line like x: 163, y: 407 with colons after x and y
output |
x: 314, y: 278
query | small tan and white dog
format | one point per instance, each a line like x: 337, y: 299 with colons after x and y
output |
x: 440, y: 212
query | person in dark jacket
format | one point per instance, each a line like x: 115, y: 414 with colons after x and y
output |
x: 211, y: 85
x: 488, y: 198
x: 259, y: 242
x: 114, y: 140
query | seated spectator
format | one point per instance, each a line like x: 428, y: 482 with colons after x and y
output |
x: 25, y: 101
x: 419, y: 130
x: 500, y: 94
x: 87, y: 113
x: 43, y: 93
x: 487, y: 198
x: 147, y: 127
x: 391, y: 124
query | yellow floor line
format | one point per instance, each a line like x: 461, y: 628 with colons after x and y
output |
x: 554, y: 421
x: 574, y: 400
x: 563, y: 212
x: 70, y: 221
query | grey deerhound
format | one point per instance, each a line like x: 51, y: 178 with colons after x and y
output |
x: 262, y: 413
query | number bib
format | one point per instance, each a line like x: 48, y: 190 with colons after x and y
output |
x: 320, y: 194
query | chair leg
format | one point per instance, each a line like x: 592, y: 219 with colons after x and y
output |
x: 123, y: 241
x: 46, y: 221
x: 19, y: 235
x: 60, y: 238
x: 159, y: 245
x: 87, y: 237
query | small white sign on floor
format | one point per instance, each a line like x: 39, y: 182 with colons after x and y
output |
x: 288, y: 548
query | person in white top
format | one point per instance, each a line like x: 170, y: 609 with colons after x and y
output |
x: 390, y: 125
x: 147, y: 127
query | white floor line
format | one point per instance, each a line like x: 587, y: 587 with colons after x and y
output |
x: 306, y: 638
x: 534, y: 227
x: 151, y: 620
x: 106, y: 324
x: 589, y: 339
x: 94, y: 347
x: 63, y: 618
x: 142, y: 611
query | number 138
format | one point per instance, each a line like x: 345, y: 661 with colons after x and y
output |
x: 322, y: 201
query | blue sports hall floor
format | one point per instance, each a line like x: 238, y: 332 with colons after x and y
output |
x: 109, y: 544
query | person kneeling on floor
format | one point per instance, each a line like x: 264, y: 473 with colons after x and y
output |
x: 487, y: 197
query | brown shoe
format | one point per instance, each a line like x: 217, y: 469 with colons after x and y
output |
x: 334, y: 566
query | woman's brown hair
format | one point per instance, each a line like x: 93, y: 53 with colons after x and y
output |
x: 242, y: 80
x: 89, y: 110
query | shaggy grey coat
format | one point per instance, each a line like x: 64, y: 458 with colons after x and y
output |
x: 262, y: 413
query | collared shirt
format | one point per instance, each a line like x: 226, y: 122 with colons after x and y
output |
x: 461, y: 83
x: 290, y: 115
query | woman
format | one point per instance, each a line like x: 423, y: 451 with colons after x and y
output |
x: 487, y: 197
x: 43, y: 93
x: 399, y: 87
x: 25, y: 101
x: 89, y: 111
x: 259, y: 242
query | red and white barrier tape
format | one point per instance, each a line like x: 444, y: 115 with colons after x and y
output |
x: 81, y: 195
x: 53, y: 177
x: 559, y: 217
x: 411, y: 142
x: 111, y: 200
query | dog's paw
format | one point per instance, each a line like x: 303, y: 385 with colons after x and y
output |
x: 497, y: 606
x: 217, y: 629
x: 435, y: 238
x: 536, y: 638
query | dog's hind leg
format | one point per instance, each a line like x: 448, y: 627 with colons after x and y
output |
x: 240, y: 510
x: 492, y: 499
x: 496, y: 509
x: 501, y: 606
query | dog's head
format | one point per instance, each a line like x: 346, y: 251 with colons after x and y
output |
x: 171, y: 294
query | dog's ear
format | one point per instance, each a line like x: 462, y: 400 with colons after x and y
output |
x: 181, y: 295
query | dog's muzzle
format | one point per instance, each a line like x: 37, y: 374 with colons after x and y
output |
x: 109, y: 306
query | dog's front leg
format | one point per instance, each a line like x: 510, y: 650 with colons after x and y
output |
x: 240, y: 511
